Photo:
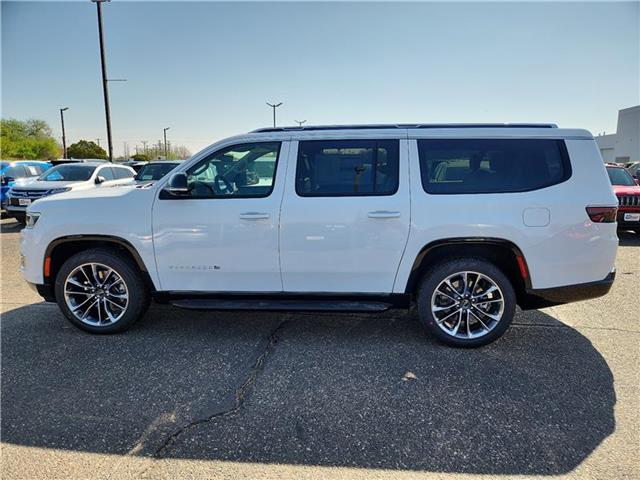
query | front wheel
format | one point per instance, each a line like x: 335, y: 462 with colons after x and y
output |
x: 99, y: 291
x: 466, y: 302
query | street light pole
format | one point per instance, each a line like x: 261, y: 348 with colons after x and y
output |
x: 274, y: 111
x: 105, y: 88
x: 300, y: 122
x: 164, y: 131
x: 64, y: 136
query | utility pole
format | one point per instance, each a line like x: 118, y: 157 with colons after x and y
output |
x: 105, y: 87
x: 274, y: 106
x: 144, y: 146
x: 300, y: 122
x: 164, y: 131
x: 64, y: 137
x: 98, y: 141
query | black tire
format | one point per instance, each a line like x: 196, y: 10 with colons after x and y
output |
x: 438, y: 273
x: 139, y: 297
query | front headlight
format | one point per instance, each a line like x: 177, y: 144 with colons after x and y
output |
x: 32, y: 219
x: 58, y: 190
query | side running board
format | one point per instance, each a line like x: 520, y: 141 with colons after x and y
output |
x: 281, y: 305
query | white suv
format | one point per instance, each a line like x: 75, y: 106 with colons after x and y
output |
x: 464, y: 220
x: 63, y: 178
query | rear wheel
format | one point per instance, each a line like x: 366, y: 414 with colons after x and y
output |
x: 99, y: 292
x: 466, y: 302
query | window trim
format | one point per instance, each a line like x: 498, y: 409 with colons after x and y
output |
x: 376, y: 141
x: 165, y: 195
x: 564, y: 156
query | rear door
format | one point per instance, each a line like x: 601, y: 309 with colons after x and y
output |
x: 345, y: 215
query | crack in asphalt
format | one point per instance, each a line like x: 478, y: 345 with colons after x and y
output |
x: 241, y: 394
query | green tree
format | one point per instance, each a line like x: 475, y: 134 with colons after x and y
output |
x: 86, y: 149
x: 141, y: 157
x: 27, y: 140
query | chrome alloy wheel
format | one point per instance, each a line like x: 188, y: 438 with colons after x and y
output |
x: 96, y: 294
x: 467, y: 305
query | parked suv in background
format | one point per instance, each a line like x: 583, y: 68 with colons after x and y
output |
x: 152, y: 171
x: 18, y: 171
x: 464, y: 220
x: 627, y: 190
x: 64, y: 178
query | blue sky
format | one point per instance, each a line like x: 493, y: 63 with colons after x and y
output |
x: 206, y: 69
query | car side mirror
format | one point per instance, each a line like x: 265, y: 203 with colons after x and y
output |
x: 100, y: 179
x: 178, y: 184
x: 637, y: 181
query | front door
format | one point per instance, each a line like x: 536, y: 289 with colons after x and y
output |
x: 345, y: 216
x: 222, y: 236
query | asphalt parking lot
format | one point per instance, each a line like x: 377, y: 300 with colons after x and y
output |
x: 241, y: 395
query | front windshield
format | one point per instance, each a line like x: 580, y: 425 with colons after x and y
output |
x: 619, y: 176
x: 155, y: 171
x: 68, y: 173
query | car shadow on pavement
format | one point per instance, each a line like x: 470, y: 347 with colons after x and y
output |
x: 308, y: 389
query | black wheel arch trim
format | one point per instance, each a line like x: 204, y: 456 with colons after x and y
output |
x: 121, y: 242
x: 417, y: 263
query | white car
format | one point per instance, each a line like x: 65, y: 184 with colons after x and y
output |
x: 64, y: 178
x: 465, y: 220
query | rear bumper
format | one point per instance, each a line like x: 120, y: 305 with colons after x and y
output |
x: 547, y: 297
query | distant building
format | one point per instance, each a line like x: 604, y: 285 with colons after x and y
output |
x: 624, y: 145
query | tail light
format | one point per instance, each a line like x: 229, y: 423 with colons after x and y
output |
x: 602, y: 214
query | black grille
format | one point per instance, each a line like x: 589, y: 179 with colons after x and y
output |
x: 629, y: 201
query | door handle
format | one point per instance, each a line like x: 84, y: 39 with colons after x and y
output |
x: 254, y: 215
x: 383, y: 214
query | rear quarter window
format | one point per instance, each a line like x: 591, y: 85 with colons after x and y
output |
x: 466, y: 166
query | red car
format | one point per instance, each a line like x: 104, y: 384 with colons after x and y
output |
x: 628, y: 192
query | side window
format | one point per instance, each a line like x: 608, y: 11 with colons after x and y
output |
x: 450, y: 166
x: 347, y: 168
x: 107, y: 173
x: 244, y: 171
x: 122, y: 173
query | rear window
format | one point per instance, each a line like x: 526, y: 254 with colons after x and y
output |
x: 347, y: 168
x: 459, y: 166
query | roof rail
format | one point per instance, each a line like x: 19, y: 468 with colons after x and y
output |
x: 311, y: 128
